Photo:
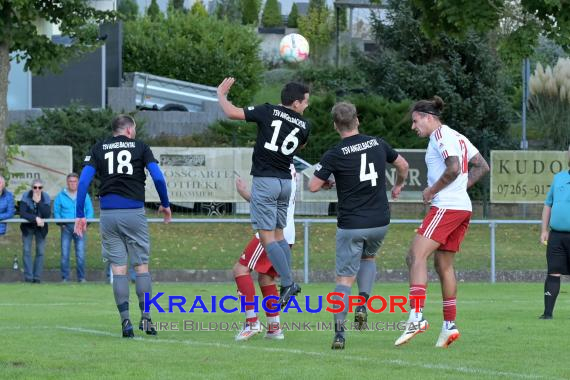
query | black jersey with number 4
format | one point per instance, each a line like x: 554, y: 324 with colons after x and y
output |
x: 120, y: 163
x: 280, y: 133
x: 358, y: 163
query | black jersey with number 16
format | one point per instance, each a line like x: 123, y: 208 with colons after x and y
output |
x: 120, y: 162
x: 358, y: 163
x: 280, y: 133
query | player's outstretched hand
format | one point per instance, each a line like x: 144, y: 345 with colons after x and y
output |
x: 80, y: 226
x: 225, y: 86
x: 167, y: 213
x: 396, y: 190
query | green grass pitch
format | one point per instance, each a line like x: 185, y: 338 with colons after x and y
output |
x: 60, y: 331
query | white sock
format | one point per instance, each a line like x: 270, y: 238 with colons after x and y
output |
x: 273, y: 323
x: 415, y: 317
x: 448, y: 324
x: 250, y: 314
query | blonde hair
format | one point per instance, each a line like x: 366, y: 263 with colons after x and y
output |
x: 344, y: 116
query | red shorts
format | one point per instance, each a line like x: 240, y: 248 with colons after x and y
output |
x: 445, y: 226
x: 255, y: 258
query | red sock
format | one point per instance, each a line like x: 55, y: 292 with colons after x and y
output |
x: 272, y: 317
x: 449, y: 309
x: 417, y: 290
x: 270, y: 290
x: 245, y: 288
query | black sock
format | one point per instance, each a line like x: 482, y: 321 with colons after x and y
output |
x: 365, y: 295
x: 551, y: 290
x: 121, y: 293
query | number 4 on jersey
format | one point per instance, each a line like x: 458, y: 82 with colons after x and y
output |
x: 367, y: 176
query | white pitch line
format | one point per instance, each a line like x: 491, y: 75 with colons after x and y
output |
x: 396, y: 362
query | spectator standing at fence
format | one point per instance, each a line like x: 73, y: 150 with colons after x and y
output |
x: 448, y: 156
x: 35, y: 206
x: 120, y: 162
x: 358, y: 164
x: 281, y: 131
x: 556, y: 235
x: 64, y: 208
x: 7, y: 209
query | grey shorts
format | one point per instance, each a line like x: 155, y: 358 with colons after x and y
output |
x: 354, y: 245
x: 269, y: 202
x: 124, y: 234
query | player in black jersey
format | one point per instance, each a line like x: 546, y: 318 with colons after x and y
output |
x: 281, y: 131
x: 358, y: 164
x: 120, y: 162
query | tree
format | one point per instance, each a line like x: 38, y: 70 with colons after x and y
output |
x: 19, y: 36
x: 317, y: 27
x: 199, y: 9
x: 271, y: 14
x: 524, y: 20
x: 293, y: 19
x: 343, y: 19
x: 250, y: 12
x: 176, y: 5
x: 129, y: 9
x: 153, y: 11
x: 228, y: 10
x: 464, y: 72
x: 195, y: 49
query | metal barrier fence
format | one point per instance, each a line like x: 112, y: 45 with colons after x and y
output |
x: 493, y: 223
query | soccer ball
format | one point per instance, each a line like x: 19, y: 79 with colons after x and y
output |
x: 294, y: 48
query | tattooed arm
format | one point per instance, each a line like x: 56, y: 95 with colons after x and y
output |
x: 477, y: 169
x: 452, y: 170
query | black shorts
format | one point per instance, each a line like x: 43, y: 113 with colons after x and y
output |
x: 558, y: 252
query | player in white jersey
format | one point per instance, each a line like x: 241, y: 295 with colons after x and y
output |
x: 255, y: 258
x: 454, y: 165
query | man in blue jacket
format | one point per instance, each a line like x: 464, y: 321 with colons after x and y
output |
x: 7, y: 209
x: 64, y: 208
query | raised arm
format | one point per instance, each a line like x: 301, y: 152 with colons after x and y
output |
x: 478, y: 168
x: 229, y: 109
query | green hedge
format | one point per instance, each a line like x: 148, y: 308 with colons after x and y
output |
x: 196, y: 49
x: 74, y: 125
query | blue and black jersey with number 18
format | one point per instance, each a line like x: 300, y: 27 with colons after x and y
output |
x: 280, y: 133
x: 120, y: 162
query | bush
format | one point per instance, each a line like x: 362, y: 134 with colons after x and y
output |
x: 74, y: 125
x: 328, y: 78
x: 550, y: 103
x: 197, y: 49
